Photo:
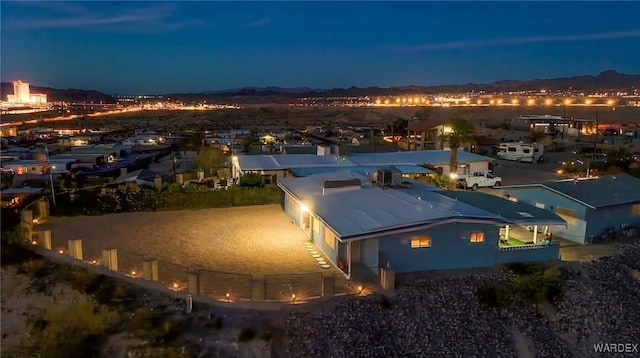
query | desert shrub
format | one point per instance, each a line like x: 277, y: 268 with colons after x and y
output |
x: 171, y: 330
x: 74, y: 331
x: 553, y: 279
x: 14, y: 249
x: 246, y: 334
x: 35, y: 268
x: 266, y: 333
x: 141, y: 319
x: 543, y: 284
x: 519, y: 268
x: 216, y: 323
x: 219, y: 323
x: 111, y: 293
x: 384, y: 302
x: 78, y: 278
x: 492, y: 295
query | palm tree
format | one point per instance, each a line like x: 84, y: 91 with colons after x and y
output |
x: 461, y: 131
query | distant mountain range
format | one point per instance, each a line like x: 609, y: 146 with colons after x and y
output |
x: 606, y: 80
x: 270, y: 89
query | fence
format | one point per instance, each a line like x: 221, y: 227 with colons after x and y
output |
x: 218, y: 285
x: 529, y: 253
x: 291, y: 286
x: 224, y: 285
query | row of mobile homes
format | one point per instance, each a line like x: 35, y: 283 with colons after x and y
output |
x: 521, y: 152
x: 144, y: 139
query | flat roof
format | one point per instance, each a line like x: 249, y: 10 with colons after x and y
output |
x: 21, y: 191
x: 24, y: 162
x: 407, y: 159
x: 420, y: 157
x: 519, y: 213
x: 404, y: 169
x: 289, y: 161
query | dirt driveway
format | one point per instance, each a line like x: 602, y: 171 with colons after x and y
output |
x: 255, y: 240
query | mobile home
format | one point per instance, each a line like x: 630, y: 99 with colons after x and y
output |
x: 521, y: 152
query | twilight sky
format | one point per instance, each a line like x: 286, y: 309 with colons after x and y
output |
x: 164, y: 47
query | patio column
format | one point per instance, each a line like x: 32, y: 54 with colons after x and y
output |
x: 535, y: 234
x: 506, y: 232
x: 349, y: 260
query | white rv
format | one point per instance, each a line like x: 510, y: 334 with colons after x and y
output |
x: 521, y: 152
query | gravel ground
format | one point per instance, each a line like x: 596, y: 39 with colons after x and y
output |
x: 253, y: 240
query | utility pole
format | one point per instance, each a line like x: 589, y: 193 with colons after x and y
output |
x: 174, y: 164
x: 595, y: 145
x: 53, y: 191
x: 373, y: 141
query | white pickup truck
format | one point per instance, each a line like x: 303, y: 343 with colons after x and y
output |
x: 478, y: 180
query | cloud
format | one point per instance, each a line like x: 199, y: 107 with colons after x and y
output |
x: 514, y: 41
x: 258, y: 23
x: 73, y: 15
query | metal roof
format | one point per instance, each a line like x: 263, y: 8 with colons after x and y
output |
x: 24, y: 162
x: 284, y: 161
x: 404, y: 169
x: 519, y: 213
x: 595, y: 192
x: 420, y: 157
x: 411, y: 158
x: 308, y: 160
x: 140, y: 174
x: 356, y: 212
x: 21, y: 191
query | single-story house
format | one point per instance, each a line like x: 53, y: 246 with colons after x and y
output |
x: 279, y: 165
x: 275, y: 166
x: 24, y: 167
x: 383, y: 220
x: 589, y: 206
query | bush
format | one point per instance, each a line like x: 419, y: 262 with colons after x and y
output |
x: 246, y: 334
x: 250, y: 180
x: 519, y: 268
x: 78, y: 278
x: 110, y: 292
x: 540, y: 286
x: 384, y: 303
x: 265, y: 333
x: 74, y: 331
x: 492, y: 295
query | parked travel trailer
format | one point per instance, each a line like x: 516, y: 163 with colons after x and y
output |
x: 521, y: 152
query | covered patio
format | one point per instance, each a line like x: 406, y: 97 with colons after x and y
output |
x: 530, y: 224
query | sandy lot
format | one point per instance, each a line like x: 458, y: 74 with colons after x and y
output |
x: 254, y: 240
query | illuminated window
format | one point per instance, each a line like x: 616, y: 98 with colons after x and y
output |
x: 420, y: 241
x: 477, y: 237
x: 635, y: 210
x: 329, y: 238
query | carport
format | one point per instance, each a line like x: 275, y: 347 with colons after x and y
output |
x: 520, y: 214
